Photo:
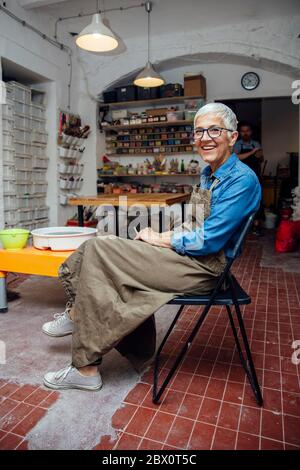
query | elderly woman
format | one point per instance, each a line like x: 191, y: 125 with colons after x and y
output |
x: 115, y: 285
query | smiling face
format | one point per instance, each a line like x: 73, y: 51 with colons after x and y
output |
x: 214, y: 151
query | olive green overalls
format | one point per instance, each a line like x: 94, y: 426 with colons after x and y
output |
x: 117, y: 284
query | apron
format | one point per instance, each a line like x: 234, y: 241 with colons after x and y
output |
x: 252, y: 161
x: 116, y: 286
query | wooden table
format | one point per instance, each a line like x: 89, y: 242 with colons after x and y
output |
x: 160, y: 199
x: 28, y: 261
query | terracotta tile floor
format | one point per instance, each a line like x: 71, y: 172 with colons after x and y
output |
x: 21, y: 407
x: 209, y: 404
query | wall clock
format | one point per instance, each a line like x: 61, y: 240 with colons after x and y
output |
x: 250, y: 81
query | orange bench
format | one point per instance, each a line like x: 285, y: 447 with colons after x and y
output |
x: 28, y: 261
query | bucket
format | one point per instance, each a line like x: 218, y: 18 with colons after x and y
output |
x: 14, y: 239
x: 270, y: 220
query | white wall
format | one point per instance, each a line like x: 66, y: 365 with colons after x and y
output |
x: 224, y: 83
x: 222, y: 52
x: 26, y: 49
x: 269, y: 44
x: 185, y: 36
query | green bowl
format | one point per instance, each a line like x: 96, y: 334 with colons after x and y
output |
x: 14, y: 239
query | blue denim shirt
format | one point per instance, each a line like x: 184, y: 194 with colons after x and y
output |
x: 234, y: 198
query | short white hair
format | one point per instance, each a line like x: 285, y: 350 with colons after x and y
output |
x: 222, y: 111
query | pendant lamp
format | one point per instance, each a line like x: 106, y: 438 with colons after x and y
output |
x: 96, y: 37
x: 148, y: 77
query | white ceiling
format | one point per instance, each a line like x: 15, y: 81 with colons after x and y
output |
x: 177, y: 14
x: 32, y: 4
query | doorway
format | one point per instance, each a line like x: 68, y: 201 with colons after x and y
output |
x: 249, y: 110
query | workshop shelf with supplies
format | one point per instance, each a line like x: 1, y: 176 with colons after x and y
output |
x: 154, y: 134
x: 70, y: 147
x: 151, y: 102
x: 69, y: 168
x: 155, y: 130
x: 25, y: 160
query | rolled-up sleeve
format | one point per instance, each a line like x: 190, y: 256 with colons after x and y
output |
x: 238, y: 200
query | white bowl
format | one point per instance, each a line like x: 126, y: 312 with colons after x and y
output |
x: 61, y: 238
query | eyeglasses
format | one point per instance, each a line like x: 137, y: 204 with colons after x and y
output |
x: 213, y: 132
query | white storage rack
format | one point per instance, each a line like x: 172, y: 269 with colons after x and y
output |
x: 24, y: 159
x: 70, y: 169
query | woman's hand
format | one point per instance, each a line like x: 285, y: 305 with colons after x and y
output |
x: 154, y: 238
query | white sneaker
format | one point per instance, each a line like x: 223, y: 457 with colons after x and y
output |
x: 62, y: 325
x: 70, y: 377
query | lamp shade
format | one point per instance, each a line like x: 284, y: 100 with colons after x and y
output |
x: 148, y: 78
x: 96, y: 37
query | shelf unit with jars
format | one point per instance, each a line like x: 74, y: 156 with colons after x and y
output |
x: 150, y: 140
x: 143, y: 135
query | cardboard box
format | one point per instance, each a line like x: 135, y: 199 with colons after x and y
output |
x: 119, y: 114
x: 157, y: 112
x: 194, y: 85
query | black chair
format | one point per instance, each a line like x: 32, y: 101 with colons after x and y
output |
x: 234, y: 295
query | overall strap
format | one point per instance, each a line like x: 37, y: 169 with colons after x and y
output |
x: 214, y: 184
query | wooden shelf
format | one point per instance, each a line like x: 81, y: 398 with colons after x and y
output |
x: 151, y: 154
x: 149, y: 175
x: 151, y: 133
x: 140, y: 103
x: 149, y: 124
x: 153, y: 146
x: 151, y: 140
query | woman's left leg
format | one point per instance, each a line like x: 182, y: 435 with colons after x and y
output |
x: 120, y: 284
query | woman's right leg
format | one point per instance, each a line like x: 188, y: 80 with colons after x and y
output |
x: 62, y: 324
x: 88, y: 377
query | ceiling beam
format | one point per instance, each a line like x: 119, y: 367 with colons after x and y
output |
x: 31, y: 4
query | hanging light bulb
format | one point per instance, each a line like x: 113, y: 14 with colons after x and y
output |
x: 148, y: 77
x: 96, y: 37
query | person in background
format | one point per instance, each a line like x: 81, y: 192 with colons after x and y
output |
x: 249, y: 151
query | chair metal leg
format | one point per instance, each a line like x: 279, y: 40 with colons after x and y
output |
x: 3, y: 296
x: 235, y: 334
x: 157, y: 357
x: 157, y: 393
x: 170, y: 329
x: 248, y: 364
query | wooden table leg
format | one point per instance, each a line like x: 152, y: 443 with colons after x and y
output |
x: 160, y: 220
x: 117, y: 220
x: 182, y: 212
x: 80, y: 216
x: 3, y: 296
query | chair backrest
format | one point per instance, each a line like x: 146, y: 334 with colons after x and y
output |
x: 225, y: 275
x: 246, y: 226
x: 236, y: 251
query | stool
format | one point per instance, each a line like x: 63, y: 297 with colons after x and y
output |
x: 29, y: 260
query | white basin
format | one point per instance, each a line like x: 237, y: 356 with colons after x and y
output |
x: 61, y: 238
